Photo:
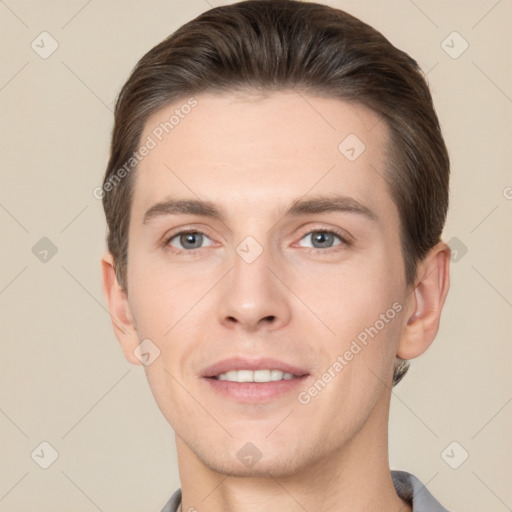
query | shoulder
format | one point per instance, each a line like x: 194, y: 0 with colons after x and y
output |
x: 410, y: 488
x: 407, y: 486
x: 173, y: 503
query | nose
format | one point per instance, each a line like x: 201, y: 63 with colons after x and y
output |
x: 253, y: 295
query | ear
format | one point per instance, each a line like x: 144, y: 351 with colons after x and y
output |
x: 120, y: 314
x: 426, y: 302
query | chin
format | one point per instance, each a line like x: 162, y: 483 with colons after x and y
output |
x: 277, y: 467
x: 258, y: 459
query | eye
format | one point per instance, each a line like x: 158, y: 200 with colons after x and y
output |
x: 187, y: 241
x: 324, y: 239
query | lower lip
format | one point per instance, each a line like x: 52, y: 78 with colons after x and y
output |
x: 254, y: 392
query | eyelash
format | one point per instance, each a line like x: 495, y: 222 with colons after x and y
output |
x: 308, y: 250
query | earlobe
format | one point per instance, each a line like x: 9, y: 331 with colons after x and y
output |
x: 427, y: 298
x: 120, y: 314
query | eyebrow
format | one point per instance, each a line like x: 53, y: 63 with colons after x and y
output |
x: 298, y: 207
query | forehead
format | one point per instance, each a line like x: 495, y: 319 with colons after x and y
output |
x: 251, y: 151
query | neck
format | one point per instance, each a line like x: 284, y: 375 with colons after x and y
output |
x: 354, y: 477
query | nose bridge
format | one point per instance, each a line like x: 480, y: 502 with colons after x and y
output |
x: 251, y: 264
x: 252, y: 294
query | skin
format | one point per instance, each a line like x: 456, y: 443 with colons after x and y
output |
x: 252, y: 156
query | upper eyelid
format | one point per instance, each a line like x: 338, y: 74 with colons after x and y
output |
x: 203, y: 232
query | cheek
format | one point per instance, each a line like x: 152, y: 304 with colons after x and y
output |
x: 161, y: 294
x: 350, y: 296
x: 172, y: 306
x: 364, y: 307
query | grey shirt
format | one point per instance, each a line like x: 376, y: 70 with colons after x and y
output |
x: 407, y: 486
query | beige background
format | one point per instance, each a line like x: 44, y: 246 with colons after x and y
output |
x: 63, y: 378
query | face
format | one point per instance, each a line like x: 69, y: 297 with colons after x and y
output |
x: 264, y: 237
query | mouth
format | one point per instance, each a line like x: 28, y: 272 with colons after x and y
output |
x: 251, y: 381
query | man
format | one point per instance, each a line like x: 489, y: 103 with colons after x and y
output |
x: 298, y: 153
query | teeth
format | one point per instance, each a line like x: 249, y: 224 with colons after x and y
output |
x: 254, y: 376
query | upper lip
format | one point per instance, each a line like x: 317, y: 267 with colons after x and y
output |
x: 241, y: 363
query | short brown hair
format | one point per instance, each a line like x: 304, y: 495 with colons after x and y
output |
x: 278, y: 45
